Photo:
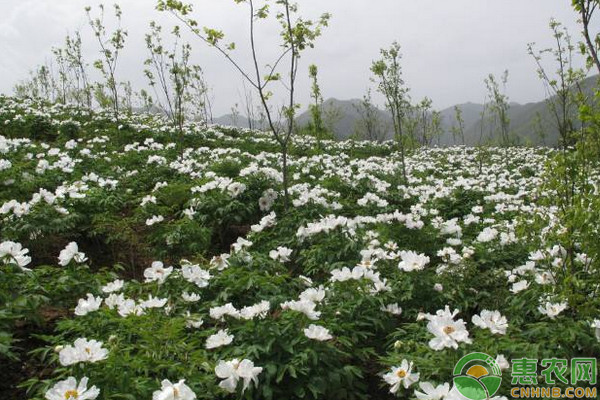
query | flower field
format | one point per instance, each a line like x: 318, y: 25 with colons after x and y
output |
x: 138, y: 262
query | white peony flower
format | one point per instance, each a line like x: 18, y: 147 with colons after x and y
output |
x: 393, y: 309
x: 240, y: 244
x: 401, y: 375
x: 70, y: 390
x: 345, y: 274
x: 317, y: 333
x: 221, y: 338
x: 314, y: 295
x: 221, y: 311
x: 551, y: 310
x: 282, y: 254
x: 487, y: 235
x: 491, y: 320
x: 544, y: 278
x: 148, y: 199
x: 260, y: 310
x: 193, y: 321
x: 412, y: 261
x: 113, y: 300
x: 12, y: 252
x: 174, y: 391
x: 447, y: 331
x: 454, y: 394
x: 266, y: 222
x: 129, y: 307
x: 5, y: 164
x: 70, y: 253
x: 304, y: 306
x: 220, y: 262
x: 519, y: 286
x: 432, y: 393
x: 157, y: 272
x: 153, y: 302
x: 155, y: 219
x: 502, y: 362
x: 196, y: 275
x: 83, y: 350
x: 190, y: 297
x: 235, y: 189
x: 113, y: 286
x: 87, y: 305
x: 232, y: 371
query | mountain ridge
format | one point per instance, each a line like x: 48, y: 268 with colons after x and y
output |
x: 342, y: 117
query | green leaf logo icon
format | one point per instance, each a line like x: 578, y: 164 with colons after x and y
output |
x: 477, y: 376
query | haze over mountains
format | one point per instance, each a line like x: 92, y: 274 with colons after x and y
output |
x: 523, y: 117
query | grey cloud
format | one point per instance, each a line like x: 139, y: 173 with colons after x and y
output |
x: 449, y: 46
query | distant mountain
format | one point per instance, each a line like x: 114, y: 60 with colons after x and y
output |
x: 471, y: 114
x: 522, y: 120
x: 343, y: 117
x: 240, y: 121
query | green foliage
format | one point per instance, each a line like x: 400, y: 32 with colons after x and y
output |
x: 388, y: 74
x: 111, y: 44
x: 499, y: 106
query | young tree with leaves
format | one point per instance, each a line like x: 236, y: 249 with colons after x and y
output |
x: 436, y: 127
x: 499, y: 106
x: 63, y: 81
x: 539, y: 129
x: 74, y: 55
x: 235, y: 114
x: 458, y: 127
x: 40, y: 86
x: 572, y: 180
x: 423, y: 110
x: 562, y: 86
x: 316, y: 107
x: 111, y: 44
x: 297, y: 34
x: 590, y: 111
x: 411, y: 126
x: 388, y: 73
x: 369, y: 125
x: 249, y: 107
x: 171, y: 74
x: 591, y: 47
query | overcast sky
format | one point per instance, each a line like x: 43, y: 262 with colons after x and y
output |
x: 448, y: 46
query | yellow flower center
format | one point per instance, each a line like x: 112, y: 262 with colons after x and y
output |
x: 88, y: 350
x: 71, y: 394
x: 449, y: 329
x: 175, y: 392
x: 401, y: 373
